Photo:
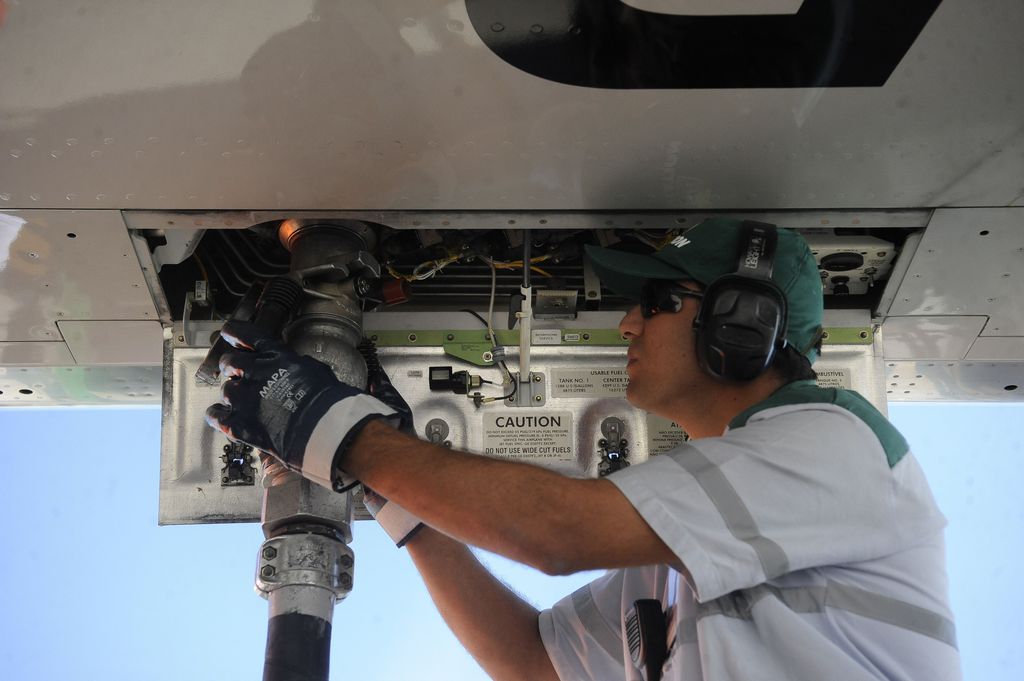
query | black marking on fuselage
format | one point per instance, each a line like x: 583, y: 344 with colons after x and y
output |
x: 608, y: 44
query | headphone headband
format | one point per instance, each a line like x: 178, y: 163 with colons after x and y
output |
x: 757, y: 250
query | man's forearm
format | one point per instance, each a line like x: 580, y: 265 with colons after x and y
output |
x: 497, y: 627
x: 526, y: 513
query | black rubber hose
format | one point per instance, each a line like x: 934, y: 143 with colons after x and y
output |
x: 298, y: 648
x: 279, y: 300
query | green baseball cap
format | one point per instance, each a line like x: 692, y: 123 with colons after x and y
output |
x: 711, y: 250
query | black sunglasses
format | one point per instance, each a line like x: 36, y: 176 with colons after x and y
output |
x: 663, y: 295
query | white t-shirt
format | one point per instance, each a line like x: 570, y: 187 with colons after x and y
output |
x: 815, y: 548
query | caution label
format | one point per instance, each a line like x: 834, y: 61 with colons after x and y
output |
x: 835, y: 378
x: 609, y: 382
x: 663, y: 434
x: 543, y: 437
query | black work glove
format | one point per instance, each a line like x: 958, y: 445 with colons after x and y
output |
x: 291, y: 407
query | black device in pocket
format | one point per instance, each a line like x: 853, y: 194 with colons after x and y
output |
x: 646, y: 635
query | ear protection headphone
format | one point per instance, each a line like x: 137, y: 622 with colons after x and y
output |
x: 741, y: 322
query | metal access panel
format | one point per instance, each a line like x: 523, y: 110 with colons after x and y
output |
x: 955, y: 328
x: 578, y: 402
x: 66, y: 265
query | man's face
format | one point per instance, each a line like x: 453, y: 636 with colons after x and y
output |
x: 662, y: 359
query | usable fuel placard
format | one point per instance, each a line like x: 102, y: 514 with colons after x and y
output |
x: 543, y: 437
x: 597, y: 382
x: 835, y: 378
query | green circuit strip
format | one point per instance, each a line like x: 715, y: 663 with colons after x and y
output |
x: 408, y: 338
x: 847, y: 335
x: 474, y: 346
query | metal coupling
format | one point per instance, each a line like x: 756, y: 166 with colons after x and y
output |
x: 305, y: 560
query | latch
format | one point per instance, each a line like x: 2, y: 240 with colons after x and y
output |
x: 239, y: 465
x: 613, y: 447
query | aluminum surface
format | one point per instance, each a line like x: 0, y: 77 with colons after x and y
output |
x: 67, y: 266
x: 960, y: 381
x: 132, y: 343
x: 970, y: 262
x: 81, y: 386
x: 35, y: 353
x: 393, y: 104
x: 527, y: 219
x: 947, y: 337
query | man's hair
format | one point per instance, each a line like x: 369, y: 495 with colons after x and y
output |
x: 791, y: 366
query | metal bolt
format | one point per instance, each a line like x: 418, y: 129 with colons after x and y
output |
x: 224, y: 479
x: 497, y: 28
x: 536, y: 378
x: 824, y: 335
x: 450, y: 336
x: 346, y: 561
x: 591, y: 294
x: 864, y: 334
x: 181, y: 339
x: 586, y: 336
x: 268, y: 571
x: 487, y: 356
x: 346, y: 581
x: 538, y: 398
x: 270, y: 553
x: 412, y: 337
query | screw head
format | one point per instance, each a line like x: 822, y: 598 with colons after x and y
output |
x: 586, y: 336
x: 346, y: 561
x: 268, y: 571
x: 537, y: 398
x: 864, y: 334
x: 536, y: 379
x: 269, y: 553
x: 346, y: 581
x: 450, y: 336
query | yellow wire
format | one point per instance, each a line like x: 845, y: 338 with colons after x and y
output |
x: 202, y: 269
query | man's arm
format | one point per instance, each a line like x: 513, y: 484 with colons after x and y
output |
x: 554, y: 523
x: 497, y: 627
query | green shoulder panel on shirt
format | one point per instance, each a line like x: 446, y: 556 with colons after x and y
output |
x: 808, y: 392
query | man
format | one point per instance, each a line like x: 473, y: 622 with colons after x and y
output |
x: 794, y: 537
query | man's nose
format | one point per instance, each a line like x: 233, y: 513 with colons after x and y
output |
x: 632, y: 323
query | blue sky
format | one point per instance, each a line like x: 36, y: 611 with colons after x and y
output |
x: 94, y: 589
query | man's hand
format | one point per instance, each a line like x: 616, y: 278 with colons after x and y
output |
x: 289, y: 406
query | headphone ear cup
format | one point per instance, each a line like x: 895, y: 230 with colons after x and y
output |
x: 741, y: 323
